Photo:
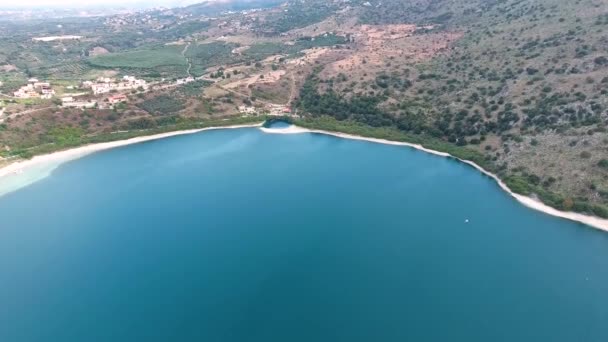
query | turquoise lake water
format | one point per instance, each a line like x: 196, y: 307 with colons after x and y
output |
x: 238, y: 235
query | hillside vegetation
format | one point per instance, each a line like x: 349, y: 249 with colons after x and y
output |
x: 518, y: 86
x: 526, y: 85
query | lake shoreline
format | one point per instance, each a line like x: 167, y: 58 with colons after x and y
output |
x: 78, y: 152
x: 81, y: 151
x: 592, y: 221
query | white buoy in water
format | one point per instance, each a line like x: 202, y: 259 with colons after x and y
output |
x: 466, y: 221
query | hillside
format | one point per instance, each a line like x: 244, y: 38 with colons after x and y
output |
x: 522, y: 82
x: 518, y: 85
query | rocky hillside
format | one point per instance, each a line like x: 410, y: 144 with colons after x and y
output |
x: 523, y: 82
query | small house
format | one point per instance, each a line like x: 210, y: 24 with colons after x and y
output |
x: 117, y: 99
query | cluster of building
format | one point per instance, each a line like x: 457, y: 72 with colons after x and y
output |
x: 105, y: 85
x: 247, y: 110
x: 247, y: 22
x: 268, y: 109
x: 277, y: 110
x: 35, y: 89
x: 155, y: 18
x: 123, y: 20
x: 69, y: 101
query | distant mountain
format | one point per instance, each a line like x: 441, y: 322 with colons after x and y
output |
x: 212, y: 7
x: 95, y: 4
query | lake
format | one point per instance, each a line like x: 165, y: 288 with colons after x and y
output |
x: 239, y: 235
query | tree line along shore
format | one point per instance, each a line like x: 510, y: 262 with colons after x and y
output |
x: 69, y: 139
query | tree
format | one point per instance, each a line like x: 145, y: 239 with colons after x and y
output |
x: 601, y: 60
x: 567, y: 204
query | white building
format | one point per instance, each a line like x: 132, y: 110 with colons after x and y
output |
x: 79, y: 104
x: 35, y: 89
x: 117, y: 99
x: 52, y: 38
x: 47, y: 90
x: 26, y: 92
x: 247, y: 110
x: 101, y: 88
x: 106, y: 85
x: 185, y: 80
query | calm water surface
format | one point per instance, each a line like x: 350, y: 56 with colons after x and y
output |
x: 237, y: 235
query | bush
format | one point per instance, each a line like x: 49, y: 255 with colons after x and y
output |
x: 518, y: 185
x: 66, y: 136
x: 531, y: 71
x: 601, y: 60
x: 162, y: 104
x: 600, y: 211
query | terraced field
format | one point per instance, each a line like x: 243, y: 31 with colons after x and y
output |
x: 145, y: 58
x: 203, y: 56
x: 262, y: 50
x: 67, y: 71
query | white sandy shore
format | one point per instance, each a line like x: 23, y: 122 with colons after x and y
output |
x: 63, y: 156
x: 530, y: 202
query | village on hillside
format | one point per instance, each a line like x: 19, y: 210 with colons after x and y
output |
x: 93, y: 91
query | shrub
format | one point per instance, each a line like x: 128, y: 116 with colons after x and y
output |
x: 601, y: 60
x: 162, y: 104
x: 531, y: 71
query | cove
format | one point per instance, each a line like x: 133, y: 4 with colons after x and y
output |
x: 237, y: 235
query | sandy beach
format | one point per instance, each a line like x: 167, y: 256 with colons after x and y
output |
x: 593, y: 221
x: 63, y: 156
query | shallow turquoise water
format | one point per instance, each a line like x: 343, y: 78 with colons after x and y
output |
x: 237, y: 235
